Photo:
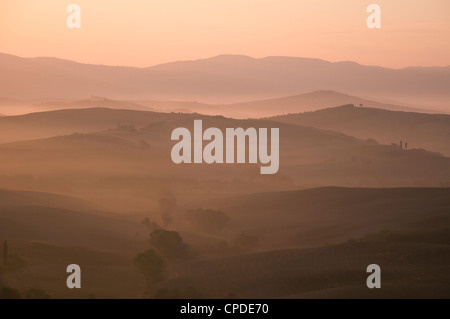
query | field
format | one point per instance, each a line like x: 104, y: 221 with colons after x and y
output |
x: 321, y: 250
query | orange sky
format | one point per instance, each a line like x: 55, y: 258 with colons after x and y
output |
x: 145, y: 33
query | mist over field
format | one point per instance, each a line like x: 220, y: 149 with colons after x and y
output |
x: 86, y: 178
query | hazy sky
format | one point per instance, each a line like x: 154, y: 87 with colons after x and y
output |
x: 148, y: 32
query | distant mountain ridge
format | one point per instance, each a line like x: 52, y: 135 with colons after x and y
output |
x: 221, y: 79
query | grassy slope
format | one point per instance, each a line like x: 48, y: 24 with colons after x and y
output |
x: 417, y: 257
x: 427, y: 131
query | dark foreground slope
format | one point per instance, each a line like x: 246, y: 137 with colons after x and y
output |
x: 312, y: 243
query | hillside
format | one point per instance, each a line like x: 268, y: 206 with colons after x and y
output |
x: 301, y: 103
x: 335, y: 271
x: 93, y: 102
x: 320, y: 216
x: 419, y: 130
x: 46, y: 232
x: 304, y: 248
x: 133, y: 160
x: 39, y: 125
x: 413, y: 256
x: 64, y: 220
x: 254, y: 109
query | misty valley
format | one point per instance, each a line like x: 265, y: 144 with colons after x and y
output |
x: 229, y: 177
x: 139, y: 225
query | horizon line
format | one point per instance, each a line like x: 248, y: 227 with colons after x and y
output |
x: 221, y: 55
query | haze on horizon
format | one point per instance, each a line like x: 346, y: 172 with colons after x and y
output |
x: 86, y: 174
x: 148, y: 33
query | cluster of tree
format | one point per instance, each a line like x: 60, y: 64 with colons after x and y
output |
x: 168, y: 246
x: 152, y: 265
x: 208, y: 220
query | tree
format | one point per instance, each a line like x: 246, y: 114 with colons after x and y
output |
x: 151, y: 265
x: 169, y: 243
x: 9, y: 293
x: 208, y: 219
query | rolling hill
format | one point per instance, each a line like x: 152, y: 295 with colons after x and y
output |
x: 133, y: 160
x: 315, y: 242
x: 409, y: 270
x: 347, y: 230
x: 52, y: 218
x: 61, y: 122
x: 428, y: 131
x: 254, y: 109
x: 298, y: 104
x: 46, y: 232
x: 322, y: 216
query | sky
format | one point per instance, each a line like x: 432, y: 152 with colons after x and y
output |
x: 146, y: 32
